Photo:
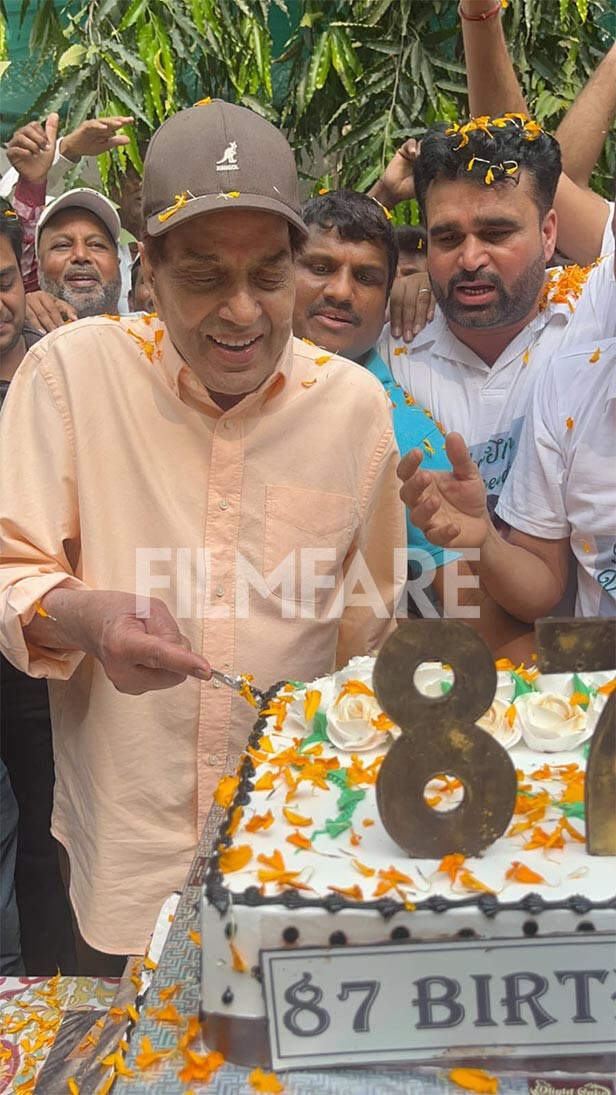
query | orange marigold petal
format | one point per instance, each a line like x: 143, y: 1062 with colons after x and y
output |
x: 239, y: 964
x: 266, y: 1082
x: 225, y: 792
x: 296, y: 819
x: 474, y: 1079
x: 233, y: 859
x: 259, y: 821
x: 518, y: 872
x: 299, y: 841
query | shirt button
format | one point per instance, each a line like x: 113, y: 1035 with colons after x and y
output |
x: 213, y: 760
x: 219, y: 591
x: 223, y: 504
x: 217, y: 684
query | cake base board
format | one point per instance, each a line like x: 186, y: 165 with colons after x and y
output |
x: 245, y: 1042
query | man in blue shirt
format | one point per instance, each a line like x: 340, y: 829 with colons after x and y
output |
x: 344, y: 277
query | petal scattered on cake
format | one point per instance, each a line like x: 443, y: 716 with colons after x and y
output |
x: 233, y: 859
x: 259, y: 821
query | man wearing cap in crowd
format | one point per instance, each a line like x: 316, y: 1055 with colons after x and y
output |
x: 76, y: 246
x: 244, y: 477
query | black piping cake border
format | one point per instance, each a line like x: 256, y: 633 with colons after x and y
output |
x: 222, y: 897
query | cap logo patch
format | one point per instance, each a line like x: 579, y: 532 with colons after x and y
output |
x: 228, y: 160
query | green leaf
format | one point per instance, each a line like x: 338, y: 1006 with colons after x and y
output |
x: 262, y: 50
x: 71, y: 57
x: 323, y: 62
x: 105, y: 9
x: 339, y: 61
x: 377, y: 12
x: 83, y: 109
x: 104, y: 165
x: 310, y: 18
x: 133, y: 12
x: 319, y: 66
x: 266, y: 112
x: 119, y: 71
x: 582, y: 7
x: 4, y: 65
x: 428, y: 81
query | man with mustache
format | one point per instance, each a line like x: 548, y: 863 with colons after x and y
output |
x: 344, y: 276
x: 486, y: 190
x: 77, y: 251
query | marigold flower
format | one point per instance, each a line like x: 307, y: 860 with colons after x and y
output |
x: 595, y: 357
x: 400, y: 350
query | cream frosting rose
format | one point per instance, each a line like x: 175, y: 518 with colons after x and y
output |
x: 496, y: 722
x: 350, y: 723
x: 505, y: 686
x: 550, y: 723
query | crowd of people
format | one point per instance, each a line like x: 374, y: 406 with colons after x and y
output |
x: 245, y: 434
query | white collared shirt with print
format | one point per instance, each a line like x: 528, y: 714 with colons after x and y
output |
x: 487, y: 404
x: 564, y: 479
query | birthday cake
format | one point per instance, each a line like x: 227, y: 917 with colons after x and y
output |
x: 304, y: 860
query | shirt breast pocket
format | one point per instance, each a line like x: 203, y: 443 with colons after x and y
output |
x: 307, y: 533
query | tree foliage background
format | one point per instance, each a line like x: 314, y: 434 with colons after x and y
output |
x: 355, y: 78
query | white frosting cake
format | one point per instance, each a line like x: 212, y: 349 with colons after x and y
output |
x: 304, y: 860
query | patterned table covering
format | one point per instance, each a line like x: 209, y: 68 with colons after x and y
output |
x: 31, y: 1012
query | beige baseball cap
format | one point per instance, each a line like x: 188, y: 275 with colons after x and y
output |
x: 82, y: 198
x: 214, y: 156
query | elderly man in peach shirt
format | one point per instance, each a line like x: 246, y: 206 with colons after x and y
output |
x: 190, y: 489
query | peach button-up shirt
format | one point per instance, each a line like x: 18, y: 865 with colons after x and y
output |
x: 125, y: 475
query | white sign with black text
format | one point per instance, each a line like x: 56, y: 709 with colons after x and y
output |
x: 402, y: 1002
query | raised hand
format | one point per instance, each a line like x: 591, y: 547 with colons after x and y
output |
x: 32, y: 148
x: 448, y: 506
x: 94, y: 136
x: 396, y: 183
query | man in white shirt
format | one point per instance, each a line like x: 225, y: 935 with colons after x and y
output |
x: 486, y: 191
x: 560, y: 497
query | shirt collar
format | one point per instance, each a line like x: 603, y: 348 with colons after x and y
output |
x: 444, y: 343
x: 189, y: 388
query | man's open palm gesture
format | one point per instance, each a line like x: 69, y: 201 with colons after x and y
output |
x: 448, y: 506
